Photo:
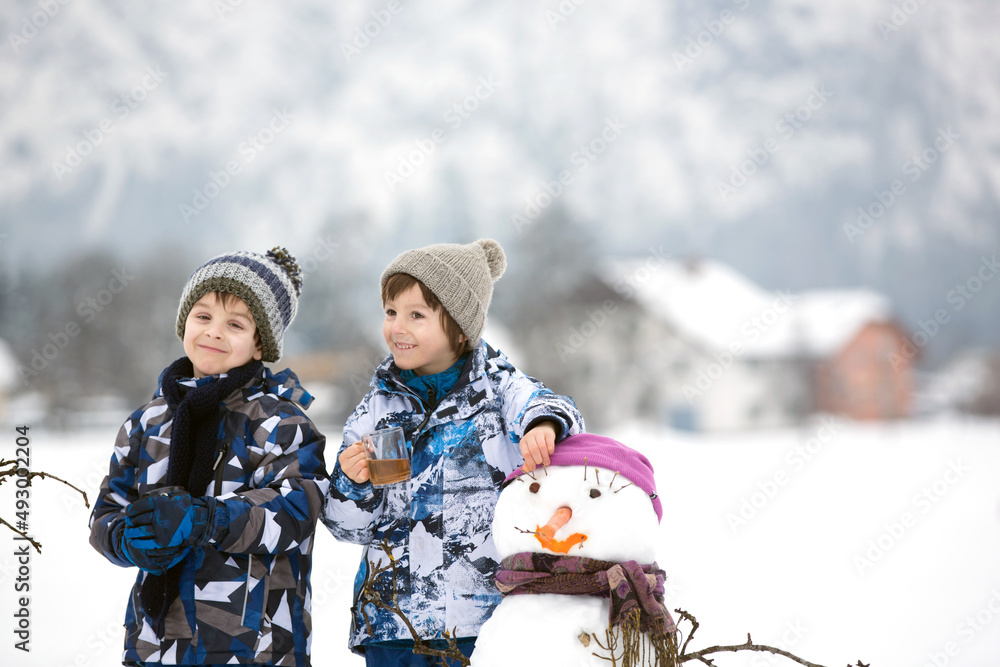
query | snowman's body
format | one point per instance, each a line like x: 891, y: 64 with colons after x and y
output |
x: 611, y: 520
x: 543, y: 629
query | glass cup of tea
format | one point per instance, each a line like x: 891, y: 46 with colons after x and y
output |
x: 387, y: 456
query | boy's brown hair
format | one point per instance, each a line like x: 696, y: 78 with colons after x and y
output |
x: 227, y: 299
x: 398, y: 283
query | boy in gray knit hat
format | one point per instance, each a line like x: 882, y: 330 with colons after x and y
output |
x: 216, y: 484
x: 470, y: 418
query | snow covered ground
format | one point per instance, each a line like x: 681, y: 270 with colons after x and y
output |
x: 837, y: 541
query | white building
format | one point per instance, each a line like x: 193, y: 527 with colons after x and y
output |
x: 698, y: 346
x: 8, y: 377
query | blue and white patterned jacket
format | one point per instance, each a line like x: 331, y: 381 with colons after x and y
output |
x: 244, y: 598
x: 438, y: 523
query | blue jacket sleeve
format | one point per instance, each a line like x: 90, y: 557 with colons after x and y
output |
x: 107, y: 521
x: 352, y: 509
x: 526, y: 401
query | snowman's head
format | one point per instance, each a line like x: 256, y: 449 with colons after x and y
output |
x: 589, y: 509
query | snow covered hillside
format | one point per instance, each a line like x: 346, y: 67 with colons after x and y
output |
x: 734, y: 127
x: 838, y: 542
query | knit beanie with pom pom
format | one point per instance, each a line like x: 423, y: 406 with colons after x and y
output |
x: 460, y: 276
x: 268, y: 284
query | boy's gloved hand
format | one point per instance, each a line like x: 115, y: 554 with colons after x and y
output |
x: 170, y: 520
x: 156, y: 560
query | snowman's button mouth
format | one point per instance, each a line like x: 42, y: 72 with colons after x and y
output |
x: 560, y: 546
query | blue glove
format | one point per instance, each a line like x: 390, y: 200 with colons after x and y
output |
x: 174, y: 519
x: 154, y: 561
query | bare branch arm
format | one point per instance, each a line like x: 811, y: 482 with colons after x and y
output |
x: 10, y: 469
x: 748, y: 646
x: 43, y: 475
x: 38, y: 547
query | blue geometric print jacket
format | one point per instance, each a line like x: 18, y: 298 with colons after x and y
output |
x: 245, y: 597
x: 438, y: 523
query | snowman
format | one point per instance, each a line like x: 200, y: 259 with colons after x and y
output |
x: 580, y: 584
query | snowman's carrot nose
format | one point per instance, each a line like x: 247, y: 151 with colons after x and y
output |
x: 557, y: 521
x: 546, y: 534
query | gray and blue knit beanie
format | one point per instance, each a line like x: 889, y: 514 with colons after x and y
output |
x: 269, y: 285
x: 460, y: 276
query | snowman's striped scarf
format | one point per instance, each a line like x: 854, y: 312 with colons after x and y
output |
x: 635, y: 591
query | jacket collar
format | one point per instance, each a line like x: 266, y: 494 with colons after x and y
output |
x: 283, y: 385
x: 470, y: 395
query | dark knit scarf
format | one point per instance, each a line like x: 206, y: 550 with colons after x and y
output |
x: 194, y: 442
x: 635, y: 592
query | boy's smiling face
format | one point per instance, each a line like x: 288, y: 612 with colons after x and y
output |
x: 218, y: 339
x: 414, y: 334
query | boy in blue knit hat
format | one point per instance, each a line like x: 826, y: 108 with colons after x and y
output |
x: 216, y: 484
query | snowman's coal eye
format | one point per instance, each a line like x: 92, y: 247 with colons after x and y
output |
x: 594, y: 493
x: 534, y: 487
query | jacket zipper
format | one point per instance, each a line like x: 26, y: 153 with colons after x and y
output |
x: 246, y: 592
x: 220, y: 469
x: 431, y: 404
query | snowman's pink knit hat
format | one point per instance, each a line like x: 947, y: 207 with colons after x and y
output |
x: 603, y: 452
